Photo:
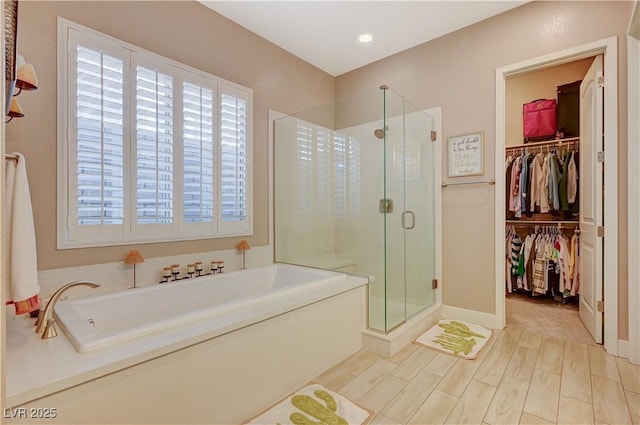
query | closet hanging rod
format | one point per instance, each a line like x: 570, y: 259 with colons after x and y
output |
x: 543, y: 223
x: 558, y: 142
x: 490, y: 181
x: 11, y: 156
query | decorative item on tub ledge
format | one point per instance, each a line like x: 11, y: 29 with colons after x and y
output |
x: 134, y: 257
x: 244, y: 247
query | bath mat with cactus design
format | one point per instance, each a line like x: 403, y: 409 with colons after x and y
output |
x: 456, y: 337
x: 313, y: 404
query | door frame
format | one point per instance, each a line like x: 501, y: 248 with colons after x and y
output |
x: 608, y: 47
x: 633, y: 64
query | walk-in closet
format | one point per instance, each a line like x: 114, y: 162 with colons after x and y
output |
x: 544, y: 204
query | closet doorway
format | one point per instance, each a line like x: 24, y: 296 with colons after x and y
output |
x: 597, y: 299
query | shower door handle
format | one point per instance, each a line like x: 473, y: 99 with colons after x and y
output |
x: 404, y: 220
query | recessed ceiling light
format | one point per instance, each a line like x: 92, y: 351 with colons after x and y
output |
x: 365, y: 38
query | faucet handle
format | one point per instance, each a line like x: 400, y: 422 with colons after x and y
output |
x: 50, y: 329
x: 40, y: 315
x: 47, y: 314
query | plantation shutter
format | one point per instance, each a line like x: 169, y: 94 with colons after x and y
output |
x: 154, y: 146
x: 100, y: 163
x: 198, y: 151
x: 234, y: 161
x: 96, y: 137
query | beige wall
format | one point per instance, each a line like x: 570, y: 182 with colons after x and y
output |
x: 540, y: 84
x: 634, y: 23
x: 457, y: 72
x: 184, y: 31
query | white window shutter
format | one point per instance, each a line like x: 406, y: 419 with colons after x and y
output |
x: 95, y: 190
x: 154, y: 146
x: 198, y: 150
x: 199, y: 155
x: 235, y: 162
x: 100, y: 164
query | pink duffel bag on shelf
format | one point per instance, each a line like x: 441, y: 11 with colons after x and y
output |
x: 539, y: 119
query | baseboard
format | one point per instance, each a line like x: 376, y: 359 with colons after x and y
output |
x: 391, y: 343
x: 623, y: 348
x: 472, y: 316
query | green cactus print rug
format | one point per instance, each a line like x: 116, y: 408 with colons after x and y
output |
x: 456, y: 337
x: 313, y: 405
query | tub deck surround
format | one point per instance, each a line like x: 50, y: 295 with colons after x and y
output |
x: 133, y: 326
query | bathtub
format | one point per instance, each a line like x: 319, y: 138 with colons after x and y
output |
x: 215, y: 304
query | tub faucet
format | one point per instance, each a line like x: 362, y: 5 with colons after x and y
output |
x: 46, y: 324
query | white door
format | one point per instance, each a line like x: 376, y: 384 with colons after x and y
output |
x: 591, y: 195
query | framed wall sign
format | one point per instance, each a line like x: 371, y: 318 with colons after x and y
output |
x: 466, y: 154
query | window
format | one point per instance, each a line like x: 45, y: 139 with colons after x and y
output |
x: 150, y: 149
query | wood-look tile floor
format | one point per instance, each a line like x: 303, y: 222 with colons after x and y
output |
x: 520, y: 377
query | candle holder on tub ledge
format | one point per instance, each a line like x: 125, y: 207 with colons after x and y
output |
x: 191, y: 269
x: 166, y: 274
x: 175, y: 271
x: 217, y: 266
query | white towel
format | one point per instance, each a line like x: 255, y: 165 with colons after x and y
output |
x: 23, y: 261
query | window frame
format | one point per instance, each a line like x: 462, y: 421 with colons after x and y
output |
x: 69, y: 233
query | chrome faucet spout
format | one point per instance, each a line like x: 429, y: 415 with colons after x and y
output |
x: 46, y: 323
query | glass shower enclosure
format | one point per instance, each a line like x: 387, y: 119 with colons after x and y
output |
x: 354, y: 192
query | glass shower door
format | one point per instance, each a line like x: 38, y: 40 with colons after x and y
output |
x: 419, y: 220
x: 394, y: 194
x: 409, y: 227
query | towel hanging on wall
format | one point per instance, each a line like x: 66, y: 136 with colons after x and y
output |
x: 24, y: 288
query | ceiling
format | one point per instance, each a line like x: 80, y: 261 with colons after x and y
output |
x: 324, y: 33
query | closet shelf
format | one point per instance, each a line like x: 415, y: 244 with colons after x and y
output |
x: 556, y: 142
x: 542, y: 222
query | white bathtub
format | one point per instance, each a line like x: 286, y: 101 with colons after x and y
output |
x: 219, y: 304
